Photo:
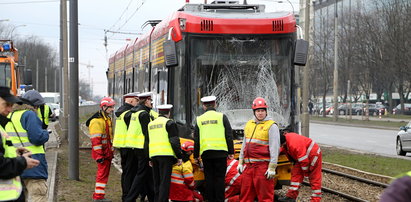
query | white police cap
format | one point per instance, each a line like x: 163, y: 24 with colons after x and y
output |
x: 133, y: 94
x: 211, y: 98
x: 165, y: 107
x: 145, y: 95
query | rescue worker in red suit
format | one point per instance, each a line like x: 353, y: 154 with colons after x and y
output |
x: 182, y: 178
x: 307, y: 158
x: 259, y: 155
x: 232, y: 181
x: 101, y: 134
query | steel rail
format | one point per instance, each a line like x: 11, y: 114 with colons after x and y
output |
x: 344, y: 195
x: 372, y: 182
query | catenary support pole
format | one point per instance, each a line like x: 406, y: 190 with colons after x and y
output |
x: 64, y: 92
x: 73, y: 106
x: 305, y: 127
x: 335, y: 116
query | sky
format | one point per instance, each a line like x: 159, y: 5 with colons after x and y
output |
x: 41, y: 18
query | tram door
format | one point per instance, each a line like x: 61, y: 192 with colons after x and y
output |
x: 159, y: 86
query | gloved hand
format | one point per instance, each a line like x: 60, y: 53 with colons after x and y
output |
x: 270, y: 173
x: 240, y: 167
x: 99, y: 160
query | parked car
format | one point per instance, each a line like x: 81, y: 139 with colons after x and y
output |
x: 374, y: 109
x: 55, y: 109
x: 356, y: 109
x: 404, y: 140
x: 407, y: 109
x: 329, y: 109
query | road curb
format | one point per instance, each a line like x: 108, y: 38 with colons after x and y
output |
x: 354, y: 125
x: 51, y: 181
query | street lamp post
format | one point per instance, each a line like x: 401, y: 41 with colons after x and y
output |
x: 14, y: 28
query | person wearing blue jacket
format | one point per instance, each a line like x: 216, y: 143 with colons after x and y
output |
x: 25, y: 130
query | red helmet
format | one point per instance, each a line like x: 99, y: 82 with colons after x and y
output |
x: 259, y: 103
x: 107, y: 101
x: 187, y: 146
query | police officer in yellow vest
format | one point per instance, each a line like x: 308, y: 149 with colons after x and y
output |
x: 164, y: 150
x: 128, y: 165
x: 25, y: 130
x: 136, y: 139
x: 213, y: 140
x: 12, y: 161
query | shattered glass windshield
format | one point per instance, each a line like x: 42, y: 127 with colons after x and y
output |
x: 237, y: 69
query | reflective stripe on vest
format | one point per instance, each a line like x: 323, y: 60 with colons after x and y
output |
x: 18, y: 134
x: 135, y: 136
x: 120, y: 131
x: 212, y: 131
x: 9, y: 189
x: 159, y: 143
x: 46, y: 114
x: 257, y: 145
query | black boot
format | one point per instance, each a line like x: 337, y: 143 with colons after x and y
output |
x: 286, y: 199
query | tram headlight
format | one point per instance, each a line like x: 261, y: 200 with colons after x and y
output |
x: 182, y: 23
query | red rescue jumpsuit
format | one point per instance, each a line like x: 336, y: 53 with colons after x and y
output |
x: 182, y: 183
x: 232, y: 181
x: 308, y: 163
x: 257, y: 156
x: 101, y: 133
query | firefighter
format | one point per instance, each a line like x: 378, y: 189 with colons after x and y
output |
x: 232, y: 181
x: 259, y: 155
x: 164, y: 150
x: 101, y: 134
x: 25, y: 130
x: 307, y: 158
x: 128, y: 165
x: 213, y: 141
x: 182, y: 179
x: 12, y: 161
x: 136, y: 139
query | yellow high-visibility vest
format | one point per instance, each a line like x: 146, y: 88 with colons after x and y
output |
x: 10, y: 189
x: 159, y: 144
x: 46, y: 114
x: 211, y: 131
x: 135, y: 136
x: 19, y: 135
x: 120, y: 132
x: 153, y: 114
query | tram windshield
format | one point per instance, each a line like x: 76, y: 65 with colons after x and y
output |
x: 237, y: 69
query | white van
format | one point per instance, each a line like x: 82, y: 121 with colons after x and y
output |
x: 51, y: 97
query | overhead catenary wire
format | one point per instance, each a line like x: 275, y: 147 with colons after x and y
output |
x: 30, y: 2
x: 122, y: 14
x: 127, y: 20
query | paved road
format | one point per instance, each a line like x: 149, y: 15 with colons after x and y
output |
x: 369, y: 140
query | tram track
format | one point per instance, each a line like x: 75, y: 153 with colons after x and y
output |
x: 348, y: 184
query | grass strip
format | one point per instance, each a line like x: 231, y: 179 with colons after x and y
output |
x: 366, y: 162
x: 382, y: 123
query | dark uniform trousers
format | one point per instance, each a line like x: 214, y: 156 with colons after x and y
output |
x: 214, y: 171
x: 162, y: 168
x: 129, y: 167
x: 143, y: 181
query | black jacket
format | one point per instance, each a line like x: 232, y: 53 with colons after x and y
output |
x: 127, y: 116
x: 211, y: 154
x: 9, y: 167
